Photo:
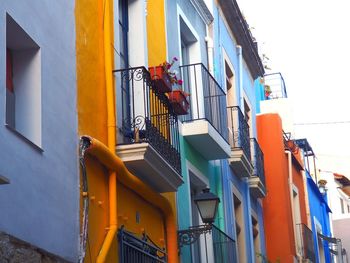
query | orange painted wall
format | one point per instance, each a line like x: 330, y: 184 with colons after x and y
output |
x: 278, y: 219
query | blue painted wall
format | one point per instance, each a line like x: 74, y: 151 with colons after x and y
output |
x: 259, y: 94
x: 319, y: 209
x: 41, y: 204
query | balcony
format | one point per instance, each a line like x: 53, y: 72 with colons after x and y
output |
x: 257, y: 180
x: 224, y: 246
x: 213, y: 245
x: 240, y: 158
x: 307, y: 243
x: 205, y: 127
x: 148, y: 134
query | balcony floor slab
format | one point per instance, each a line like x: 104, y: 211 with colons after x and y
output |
x: 257, y: 189
x: 147, y: 164
x: 239, y: 163
x: 206, y: 140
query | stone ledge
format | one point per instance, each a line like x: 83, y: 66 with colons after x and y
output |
x: 14, y: 250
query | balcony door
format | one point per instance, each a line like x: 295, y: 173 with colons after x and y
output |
x: 232, y: 123
x: 190, y: 53
x: 202, y: 249
x: 124, y: 62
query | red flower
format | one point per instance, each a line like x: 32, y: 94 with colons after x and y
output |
x: 180, y: 82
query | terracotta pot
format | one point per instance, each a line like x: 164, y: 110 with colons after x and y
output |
x: 178, y: 101
x: 161, y: 81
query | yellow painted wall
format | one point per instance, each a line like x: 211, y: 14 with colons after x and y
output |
x: 156, y: 32
x: 156, y: 37
x: 92, y: 113
x: 157, y: 46
x: 150, y: 217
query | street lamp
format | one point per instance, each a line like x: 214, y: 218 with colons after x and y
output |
x: 322, y: 186
x: 207, y: 204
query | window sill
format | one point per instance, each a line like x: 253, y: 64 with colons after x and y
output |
x: 23, y: 138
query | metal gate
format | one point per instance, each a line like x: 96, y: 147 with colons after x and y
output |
x: 139, y: 250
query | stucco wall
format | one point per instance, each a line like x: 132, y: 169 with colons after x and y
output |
x: 278, y: 219
x: 225, y: 47
x: 341, y: 228
x: 318, y: 214
x: 41, y: 205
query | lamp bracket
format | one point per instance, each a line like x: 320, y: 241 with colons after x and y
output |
x: 191, y: 235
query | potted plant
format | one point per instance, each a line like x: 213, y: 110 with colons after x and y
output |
x: 268, y: 91
x: 179, y: 102
x: 163, y: 77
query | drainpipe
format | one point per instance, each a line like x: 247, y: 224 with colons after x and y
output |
x: 113, y: 163
x: 111, y: 134
x: 290, y: 183
x: 240, y: 69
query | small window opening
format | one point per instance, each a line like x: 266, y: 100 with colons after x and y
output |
x: 23, y: 83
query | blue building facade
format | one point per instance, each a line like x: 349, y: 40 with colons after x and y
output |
x: 320, y: 221
x: 239, y: 73
x: 319, y: 209
x: 38, y: 131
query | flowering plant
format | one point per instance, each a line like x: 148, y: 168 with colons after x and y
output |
x: 267, y: 90
x: 171, y: 73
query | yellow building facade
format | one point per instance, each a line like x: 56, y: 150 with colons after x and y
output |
x: 116, y: 198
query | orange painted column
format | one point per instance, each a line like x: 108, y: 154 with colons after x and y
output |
x: 278, y: 219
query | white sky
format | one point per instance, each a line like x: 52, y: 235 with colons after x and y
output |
x: 308, y: 41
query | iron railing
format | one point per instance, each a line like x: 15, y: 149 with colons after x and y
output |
x: 307, y: 242
x: 238, y: 130
x: 277, y: 86
x: 139, y: 250
x: 147, y: 115
x: 207, y: 99
x: 224, y: 246
x: 258, y: 161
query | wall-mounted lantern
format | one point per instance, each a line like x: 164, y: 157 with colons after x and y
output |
x: 207, y: 204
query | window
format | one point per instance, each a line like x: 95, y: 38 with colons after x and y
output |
x: 342, y: 206
x: 256, y: 237
x: 297, y: 219
x: 247, y: 113
x: 197, y: 183
x: 240, y: 235
x: 23, y: 83
x: 230, y: 82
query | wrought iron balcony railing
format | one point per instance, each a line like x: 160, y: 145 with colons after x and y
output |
x: 276, y: 84
x: 238, y: 130
x: 133, y: 249
x: 258, y: 160
x: 224, y: 246
x: 147, y: 115
x: 207, y: 99
x: 307, y: 242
